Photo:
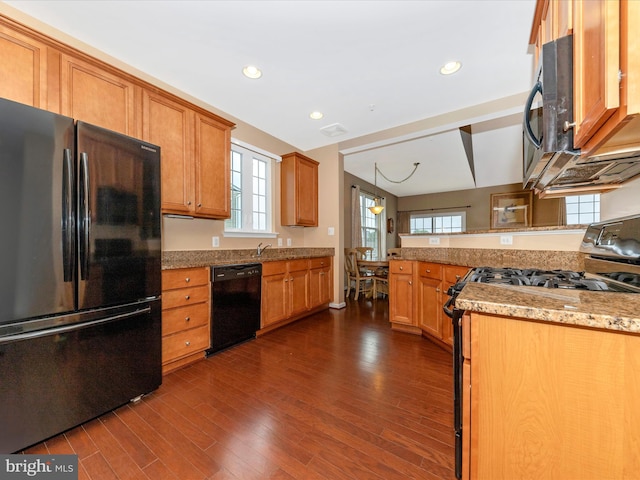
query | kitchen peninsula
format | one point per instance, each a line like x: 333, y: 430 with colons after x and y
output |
x: 550, y: 385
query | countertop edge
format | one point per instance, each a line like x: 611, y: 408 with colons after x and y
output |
x: 577, y: 308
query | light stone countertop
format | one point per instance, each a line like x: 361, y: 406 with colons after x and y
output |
x: 606, y: 310
x: 205, y: 258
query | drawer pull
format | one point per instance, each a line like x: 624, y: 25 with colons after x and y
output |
x: 428, y: 271
x: 401, y: 268
x: 187, y: 319
x: 187, y: 343
x: 187, y: 279
x: 187, y: 297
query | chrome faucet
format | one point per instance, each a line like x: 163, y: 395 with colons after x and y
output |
x: 260, y: 249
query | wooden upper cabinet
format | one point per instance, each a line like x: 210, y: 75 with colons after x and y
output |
x: 97, y: 96
x: 195, y: 151
x: 24, y: 68
x: 168, y: 124
x: 596, y: 65
x: 212, y: 167
x: 299, y: 190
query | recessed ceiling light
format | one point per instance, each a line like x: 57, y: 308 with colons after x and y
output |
x: 316, y: 115
x: 251, y: 71
x: 450, y: 67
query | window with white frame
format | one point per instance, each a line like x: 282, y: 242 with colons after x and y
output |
x: 371, y: 226
x: 250, y: 193
x: 582, y: 209
x: 437, y: 222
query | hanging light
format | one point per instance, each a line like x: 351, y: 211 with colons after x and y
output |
x: 376, y: 208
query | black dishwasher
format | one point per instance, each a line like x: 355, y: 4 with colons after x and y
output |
x: 235, y: 304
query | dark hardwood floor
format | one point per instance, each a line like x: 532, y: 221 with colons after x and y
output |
x: 337, y: 395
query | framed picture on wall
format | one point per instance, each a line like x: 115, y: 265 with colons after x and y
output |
x: 511, y: 210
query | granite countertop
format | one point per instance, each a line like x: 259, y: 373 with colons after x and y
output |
x: 205, y: 258
x: 606, y: 310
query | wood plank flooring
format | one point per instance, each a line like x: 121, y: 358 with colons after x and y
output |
x: 337, y: 395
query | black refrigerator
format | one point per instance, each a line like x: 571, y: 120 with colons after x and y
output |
x: 80, y: 273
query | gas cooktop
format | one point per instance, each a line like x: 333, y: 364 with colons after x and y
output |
x: 536, y: 278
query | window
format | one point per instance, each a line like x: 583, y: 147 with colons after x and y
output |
x: 582, y: 209
x: 438, y: 223
x: 250, y: 193
x: 370, y: 227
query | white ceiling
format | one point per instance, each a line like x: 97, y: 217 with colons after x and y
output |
x: 370, y: 66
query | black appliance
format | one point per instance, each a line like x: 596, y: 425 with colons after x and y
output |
x: 548, y: 142
x: 551, y: 164
x: 612, y: 265
x: 80, y: 263
x: 235, y: 304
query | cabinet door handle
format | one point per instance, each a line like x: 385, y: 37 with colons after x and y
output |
x: 187, y: 343
x: 189, y: 202
x: 438, y: 290
x: 410, y: 282
x: 199, y: 205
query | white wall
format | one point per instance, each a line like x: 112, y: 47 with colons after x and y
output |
x: 623, y: 201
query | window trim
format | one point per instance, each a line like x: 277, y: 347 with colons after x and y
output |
x: 271, y: 158
x: 418, y: 214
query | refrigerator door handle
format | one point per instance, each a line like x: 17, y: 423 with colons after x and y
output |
x: 85, y: 208
x: 68, y: 217
x: 72, y: 327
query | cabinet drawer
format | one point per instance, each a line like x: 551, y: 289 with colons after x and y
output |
x: 183, y: 318
x: 184, y: 277
x: 430, y: 270
x: 273, y: 268
x: 400, y: 266
x: 454, y: 273
x: 319, y: 262
x: 185, y: 343
x: 184, y: 296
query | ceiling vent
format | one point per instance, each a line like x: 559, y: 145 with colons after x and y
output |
x: 333, y: 130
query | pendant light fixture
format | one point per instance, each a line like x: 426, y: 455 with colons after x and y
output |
x: 376, y: 208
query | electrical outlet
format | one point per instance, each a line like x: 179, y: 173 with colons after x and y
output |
x: 331, y: 231
x: 215, y: 241
x: 288, y: 242
x: 434, y: 240
x: 506, y: 239
x: 279, y: 242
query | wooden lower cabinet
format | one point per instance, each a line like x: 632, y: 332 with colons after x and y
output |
x: 429, y: 302
x: 185, y: 316
x: 320, y: 281
x: 401, y: 296
x: 419, y: 310
x: 293, y: 289
x: 552, y: 401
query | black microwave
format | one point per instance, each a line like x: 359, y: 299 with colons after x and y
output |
x: 547, y: 132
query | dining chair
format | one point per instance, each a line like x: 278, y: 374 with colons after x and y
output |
x: 362, y: 283
x: 381, y: 285
x: 365, y: 253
